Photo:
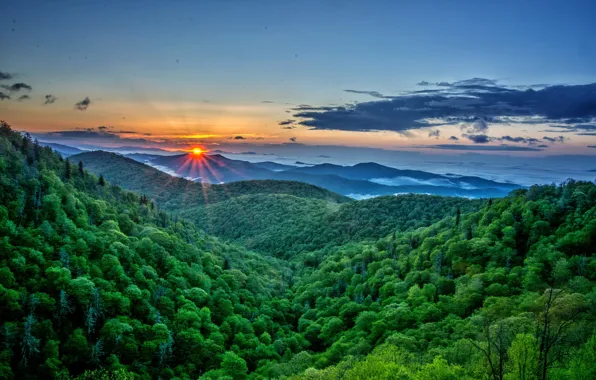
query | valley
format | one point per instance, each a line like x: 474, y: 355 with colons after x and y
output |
x: 111, y: 267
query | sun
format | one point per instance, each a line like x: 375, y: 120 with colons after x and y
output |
x: 197, y: 151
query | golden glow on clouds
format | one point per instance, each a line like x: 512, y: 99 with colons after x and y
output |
x: 183, y: 125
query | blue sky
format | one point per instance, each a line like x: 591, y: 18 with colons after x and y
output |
x: 205, y: 67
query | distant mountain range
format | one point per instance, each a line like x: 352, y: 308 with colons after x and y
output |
x: 358, y: 181
x: 63, y: 150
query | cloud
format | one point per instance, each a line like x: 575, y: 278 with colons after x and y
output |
x: 293, y: 139
x: 461, y: 83
x: 289, y: 127
x: 509, y: 148
x: 478, y: 139
x: 560, y: 139
x: 17, y: 87
x: 103, y: 128
x: 542, y: 146
x: 83, y: 104
x: 479, y: 127
x: 434, y: 133
x: 239, y: 138
x: 523, y: 140
x: 5, y: 76
x: 50, y: 99
x: 374, y: 94
x: 479, y: 100
x: 591, y: 146
x: 454, y: 138
x: 23, y: 97
x: 287, y: 122
x: 4, y: 96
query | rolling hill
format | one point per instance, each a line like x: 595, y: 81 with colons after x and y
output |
x: 284, y: 225
x: 174, y: 193
x: 98, y: 283
x: 358, y: 181
x: 63, y: 150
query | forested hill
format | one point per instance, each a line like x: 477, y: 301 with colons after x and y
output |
x: 98, y: 282
x: 278, y: 217
x: 93, y: 277
x: 284, y: 225
x: 174, y: 193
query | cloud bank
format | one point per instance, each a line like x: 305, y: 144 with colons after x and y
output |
x: 478, y: 101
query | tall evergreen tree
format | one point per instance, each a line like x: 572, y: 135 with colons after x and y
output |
x: 67, y: 169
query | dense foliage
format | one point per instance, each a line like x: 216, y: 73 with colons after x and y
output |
x: 95, y: 276
x: 97, y: 282
x: 285, y: 225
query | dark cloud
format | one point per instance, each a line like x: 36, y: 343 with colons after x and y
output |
x: 128, y: 133
x: 23, y: 97
x: 4, y: 96
x: 374, y: 94
x: 586, y: 134
x: 83, y: 104
x: 454, y: 138
x: 461, y: 83
x: 434, y: 133
x: 239, y: 138
x: 90, y: 135
x: 523, y: 140
x: 478, y: 139
x: 267, y: 102
x: 287, y: 122
x: 50, y: 99
x: 573, y: 128
x: 475, y: 99
x: 103, y: 127
x: 557, y: 139
x: 17, y: 87
x: 289, y: 127
x: 5, y: 76
x: 542, y: 146
x: 591, y: 146
x: 293, y: 139
x: 484, y: 147
x: 480, y: 126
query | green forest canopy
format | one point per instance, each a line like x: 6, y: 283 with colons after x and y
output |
x: 99, y: 282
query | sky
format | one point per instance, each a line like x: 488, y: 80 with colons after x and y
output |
x: 438, y: 77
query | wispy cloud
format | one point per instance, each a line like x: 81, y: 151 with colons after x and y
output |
x: 50, y: 99
x: 4, y: 96
x: 559, y: 139
x: 434, y: 133
x: 23, y: 97
x: 16, y: 87
x: 374, y: 94
x: 509, y: 148
x: 5, y: 76
x: 478, y: 139
x: 83, y: 104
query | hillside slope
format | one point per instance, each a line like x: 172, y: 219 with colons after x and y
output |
x: 92, y: 276
x: 173, y: 193
x: 285, y: 225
